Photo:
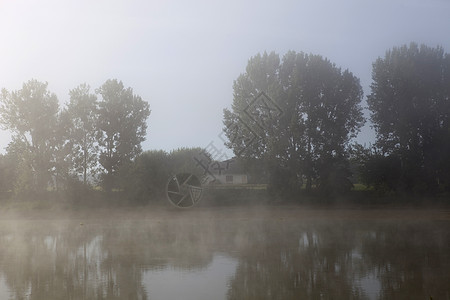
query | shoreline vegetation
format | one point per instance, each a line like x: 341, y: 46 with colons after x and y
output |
x: 215, y: 199
x: 161, y: 213
x: 292, y: 127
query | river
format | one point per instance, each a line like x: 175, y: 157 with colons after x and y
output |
x: 284, y: 252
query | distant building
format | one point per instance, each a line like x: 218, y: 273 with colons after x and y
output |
x: 230, y: 179
x: 226, y: 172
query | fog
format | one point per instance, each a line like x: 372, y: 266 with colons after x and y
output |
x: 224, y: 150
x: 238, y: 252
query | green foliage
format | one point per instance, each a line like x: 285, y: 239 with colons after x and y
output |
x: 335, y: 176
x: 20, y: 159
x: 182, y: 161
x: 7, y: 175
x: 122, y: 123
x: 410, y: 105
x: 82, y: 133
x: 321, y: 112
x: 375, y: 170
x: 31, y: 114
x: 145, y: 179
x: 52, y: 148
x: 290, y: 125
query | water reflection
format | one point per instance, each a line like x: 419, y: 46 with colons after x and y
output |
x: 207, y: 283
x: 234, y: 257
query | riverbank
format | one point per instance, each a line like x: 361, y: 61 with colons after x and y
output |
x: 277, y: 211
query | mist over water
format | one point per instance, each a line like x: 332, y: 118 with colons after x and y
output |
x: 227, y: 253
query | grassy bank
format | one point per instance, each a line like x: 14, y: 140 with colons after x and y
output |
x: 92, y: 199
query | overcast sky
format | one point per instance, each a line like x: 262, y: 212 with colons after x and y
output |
x: 183, y: 56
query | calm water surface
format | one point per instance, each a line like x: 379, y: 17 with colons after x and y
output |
x: 220, y: 253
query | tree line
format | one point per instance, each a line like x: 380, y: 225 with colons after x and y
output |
x: 298, y: 116
x: 292, y: 124
x: 90, y: 139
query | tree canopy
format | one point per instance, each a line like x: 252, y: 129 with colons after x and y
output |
x: 82, y: 113
x: 297, y: 115
x: 31, y: 115
x: 122, y: 123
x: 50, y: 145
x: 291, y: 124
x: 410, y: 106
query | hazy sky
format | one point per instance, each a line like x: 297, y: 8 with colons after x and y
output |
x: 183, y: 56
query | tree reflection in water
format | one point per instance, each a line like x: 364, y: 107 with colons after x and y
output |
x: 277, y: 258
x: 346, y: 260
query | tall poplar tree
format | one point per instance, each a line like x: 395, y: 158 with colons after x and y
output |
x: 122, y: 122
x: 410, y: 105
x: 31, y: 115
x: 82, y: 113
